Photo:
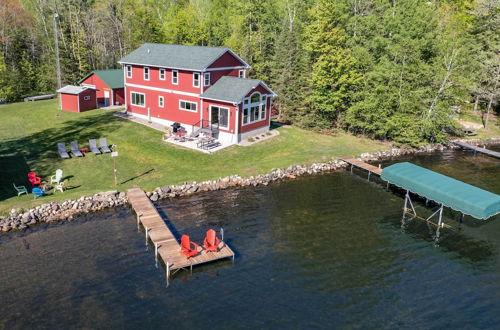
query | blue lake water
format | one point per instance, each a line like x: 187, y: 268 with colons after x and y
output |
x: 317, y: 252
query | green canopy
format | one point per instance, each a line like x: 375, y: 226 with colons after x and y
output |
x: 460, y: 196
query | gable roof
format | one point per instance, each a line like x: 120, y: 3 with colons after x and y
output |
x: 195, y: 58
x: 70, y: 89
x: 232, y: 89
x: 113, y: 78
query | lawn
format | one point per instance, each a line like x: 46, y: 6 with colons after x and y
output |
x: 493, y: 129
x: 30, y: 131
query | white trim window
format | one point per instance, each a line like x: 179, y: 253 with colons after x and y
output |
x: 129, y: 71
x: 254, y: 108
x: 206, y: 79
x: 241, y: 74
x: 175, y: 77
x: 196, y: 79
x: 146, y: 73
x: 188, y: 106
x: 138, y: 99
x: 86, y: 98
x: 161, y: 101
x: 162, y: 74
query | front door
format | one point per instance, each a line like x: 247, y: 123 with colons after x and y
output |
x: 219, y: 116
x: 106, y: 98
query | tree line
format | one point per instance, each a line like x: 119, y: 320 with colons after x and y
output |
x: 400, y: 70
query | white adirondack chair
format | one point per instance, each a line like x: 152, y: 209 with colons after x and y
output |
x: 57, y: 178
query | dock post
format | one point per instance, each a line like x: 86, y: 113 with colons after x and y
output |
x: 138, y: 220
x: 387, y: 186
x: 369, y: 172
x: 406, y: 201
x: 168, y: 272
x: 440, y: 222
x: 222, y: 234
x: 146, y: 231
x: 351, y: 168
x: 156, y: 255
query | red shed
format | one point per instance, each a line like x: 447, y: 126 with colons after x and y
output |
x: 77, y: 98
x: 108, y: 85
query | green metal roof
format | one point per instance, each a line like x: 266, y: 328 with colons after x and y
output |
x: 113, y: 78
x: 458, y: 195
x: 232, y: 89
x: 196, y: 58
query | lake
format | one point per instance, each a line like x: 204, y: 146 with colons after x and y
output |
x: 316, y: 252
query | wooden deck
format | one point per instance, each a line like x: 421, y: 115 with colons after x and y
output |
x: 355, y: 162
x: 166, y: 245
x: 477, y: 149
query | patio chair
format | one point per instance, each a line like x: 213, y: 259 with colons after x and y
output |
x: 103, y: 144
x: 188, y: 248
x: 75, y: 150
x: 37, y: 192
x: 211, y: 242
x: 60, y: 186
x: 93, y: 147
x: 20, y: 189
x: 33, y: 179
x: 61, y: 149
x: 57, y: 177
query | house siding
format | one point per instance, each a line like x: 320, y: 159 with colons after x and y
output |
x: 90, y: 104
x: 226, y: 60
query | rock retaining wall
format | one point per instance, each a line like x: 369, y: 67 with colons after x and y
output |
x: 21, y: 219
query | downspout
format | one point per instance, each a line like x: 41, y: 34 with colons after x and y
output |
x: 237, y: 124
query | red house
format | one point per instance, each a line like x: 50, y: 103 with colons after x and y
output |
x: 77, y: 98
x: 198, y: 87
x: 108, y: 85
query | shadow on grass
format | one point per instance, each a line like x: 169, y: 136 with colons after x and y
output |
x: 138, y: 176
x: 38, y: 152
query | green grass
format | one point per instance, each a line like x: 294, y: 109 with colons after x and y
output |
x: 29, y: 133
x: 493, y: 129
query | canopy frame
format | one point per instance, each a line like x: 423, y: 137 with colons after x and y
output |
x: 411, y: 211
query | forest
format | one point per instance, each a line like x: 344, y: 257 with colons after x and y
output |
x: 399, y: 70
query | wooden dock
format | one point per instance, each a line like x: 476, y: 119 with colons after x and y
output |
x: 365, y: 166
x: 477, y: 149
x: 165, y: 243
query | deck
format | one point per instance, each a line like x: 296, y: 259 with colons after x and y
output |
x: 477, y: 149
x: 164, y: 241
x: 365, y: 166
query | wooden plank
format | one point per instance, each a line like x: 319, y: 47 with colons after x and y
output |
x: 363, y: 165
x: 477, y: 149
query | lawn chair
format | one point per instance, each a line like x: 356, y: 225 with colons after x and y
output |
x: 37, y: 192
x: 93, y: 147
x: 60, y: 186
x: 61, y: 148
x: 20, y: 189
x: 103, y: 144
x: 211, y: 242
x: 186, y: 247
x: 33, y: 179
x: 75, y: 150
x: 57, y: 177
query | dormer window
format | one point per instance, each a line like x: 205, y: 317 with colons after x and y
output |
x: 206, y: 79
x: 162, y: 74
x: 175, y: 77
x: 241, y: 74
x: 146, y: 73
x: 196, y: 79
x: 129, y: 71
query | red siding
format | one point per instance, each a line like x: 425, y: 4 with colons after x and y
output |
x: 226, y: 60
x: 119, y: 95
x: 171, y: 110
x: 261, y: 89
x: 216, y: 75
x: 100, y: 86
x: 232, y: 113
x: 87, y: 104
x: 185, y: 79
x: 69, y: 102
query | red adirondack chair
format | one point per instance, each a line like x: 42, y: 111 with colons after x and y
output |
x: 33, y: 179
x: 211, y: 242
x: 188, y: 248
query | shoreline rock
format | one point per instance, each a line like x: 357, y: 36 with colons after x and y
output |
x: 67, y: 210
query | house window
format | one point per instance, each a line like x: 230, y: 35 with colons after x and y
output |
x: 129, y: 71
x: 86, y: 98
x: 219, y: 115
x: 161, y: 101
x: 254, y: 108
x: 241, y: 74
x: 137, y: 99
x: 196, y: 79
x: 162, y: 74
x: 206, y: 79
x: 188, y: 106
x: 146, y: 73
x: 175, y: 77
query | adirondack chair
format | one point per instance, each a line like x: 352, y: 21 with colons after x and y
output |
x: 211, y: 242
x: 60, y: 186
x: 37, y: 192
x: 93, y: 147
x: 61, y: 149
x: 57, y: 177
x: 188, y: 248
x: 33, y: 179
x: 20, y: 189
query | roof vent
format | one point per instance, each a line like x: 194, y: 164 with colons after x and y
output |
x: 149, y: 50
